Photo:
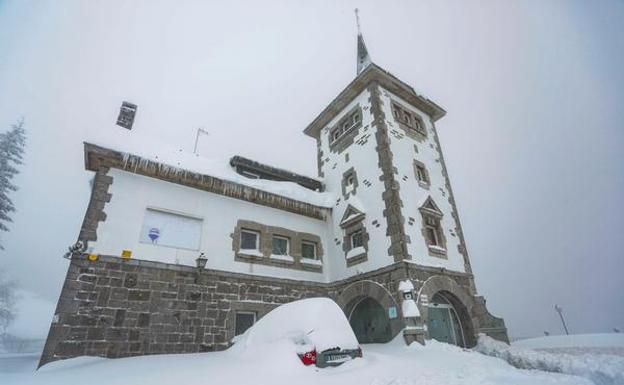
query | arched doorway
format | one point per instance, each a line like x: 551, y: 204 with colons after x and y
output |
x: 459, y: 303
x: 443, y: 322
x: 369, y: 306
x: 370, y: 322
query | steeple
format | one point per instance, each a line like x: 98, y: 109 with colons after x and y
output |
x: 363, y: 59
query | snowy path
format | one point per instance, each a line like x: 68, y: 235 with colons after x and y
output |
x: 387, y: 364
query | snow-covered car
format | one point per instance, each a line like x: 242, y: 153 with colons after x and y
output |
x: 317, y: 328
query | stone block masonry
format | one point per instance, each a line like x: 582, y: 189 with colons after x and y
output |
x: 114, y: 307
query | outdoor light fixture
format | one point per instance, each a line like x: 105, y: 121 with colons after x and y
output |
x: 201, y: 261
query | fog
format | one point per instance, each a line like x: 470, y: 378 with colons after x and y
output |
x: 533, y: 138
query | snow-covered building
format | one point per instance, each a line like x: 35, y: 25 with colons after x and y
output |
x: 377, y: 227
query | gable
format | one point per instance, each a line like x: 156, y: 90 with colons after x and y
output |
x: 351, y: 215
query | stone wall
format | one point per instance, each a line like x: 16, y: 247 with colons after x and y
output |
x: 114, y: 307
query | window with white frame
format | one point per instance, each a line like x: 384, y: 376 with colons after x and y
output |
x: 308, y: 250
x: 357, y: 239
x: 432, y: 230
x: 250, y: 240
x: 280, y: 245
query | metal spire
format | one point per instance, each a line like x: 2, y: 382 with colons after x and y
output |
x: 363, y: 59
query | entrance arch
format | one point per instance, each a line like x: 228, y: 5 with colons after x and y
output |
x: 460, y: 326
x: 443, y: 323
x: 369, y: 306
x: 370, y: 322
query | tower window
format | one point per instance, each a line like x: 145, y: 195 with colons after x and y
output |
x: 408, y: 120
x: 421, y: 174
x: 349, y: 183
x: 346, y: 125
x: 432, y: 228
x: 432, y: 231
x: 357, y: 239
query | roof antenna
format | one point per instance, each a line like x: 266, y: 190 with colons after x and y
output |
x: 363, y: 59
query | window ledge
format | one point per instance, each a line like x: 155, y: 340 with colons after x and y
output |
x: 424, y: 185
x: 437, y: 249
x: 283, y: 258
x: 354, y: 253
x: 313, y: 262
x: 251, y: 253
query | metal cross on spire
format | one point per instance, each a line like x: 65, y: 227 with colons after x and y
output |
x: 363, y: 59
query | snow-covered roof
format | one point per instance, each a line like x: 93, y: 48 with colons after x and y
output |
x: 177, y: 160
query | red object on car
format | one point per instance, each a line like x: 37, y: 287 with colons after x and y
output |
x: 308, y: 358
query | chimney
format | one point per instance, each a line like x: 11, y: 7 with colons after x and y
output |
x: 126, y: 115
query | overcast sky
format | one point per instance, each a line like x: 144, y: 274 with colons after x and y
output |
x: 533, y: 138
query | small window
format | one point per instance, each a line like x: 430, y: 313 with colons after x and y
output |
x: 407, y: 119
x: 308, y: 250
x: 357, y: 118
x: 336, y: 135
x: 356, y: 239
x: 432, y: 229
x: 350, y: 180
x: 280, y: 245
x: 244, y: 320
x: 421, y: 174
x: 249, y: 240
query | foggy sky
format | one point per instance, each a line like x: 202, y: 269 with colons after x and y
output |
x: 533, y: 138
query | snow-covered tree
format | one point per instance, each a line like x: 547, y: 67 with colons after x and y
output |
x: 7, y: 301
x: 11, y: 150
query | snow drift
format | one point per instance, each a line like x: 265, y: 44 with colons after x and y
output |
x: 315, y: 321
x: 601, y: 369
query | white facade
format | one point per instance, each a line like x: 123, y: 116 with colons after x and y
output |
x: 206, y: 221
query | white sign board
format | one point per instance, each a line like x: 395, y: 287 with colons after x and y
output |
x: 173, y: 230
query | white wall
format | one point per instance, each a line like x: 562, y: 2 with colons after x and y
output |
x: 365, y: 161
x: 412, y: 194
x: 132, y: 194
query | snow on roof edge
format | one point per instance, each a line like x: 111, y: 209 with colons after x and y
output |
x: 217, y: 168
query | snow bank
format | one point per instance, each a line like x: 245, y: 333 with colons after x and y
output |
x: 314, y: 321
x: 132, y: 143
x: 383, y: 364
x: 610, y: 340
x: 601, y: 369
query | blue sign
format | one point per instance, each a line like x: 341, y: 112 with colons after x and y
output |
x: 153, y: 234
x: 392, y: 312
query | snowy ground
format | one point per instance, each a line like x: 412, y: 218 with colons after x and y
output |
x: 383, y: 364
